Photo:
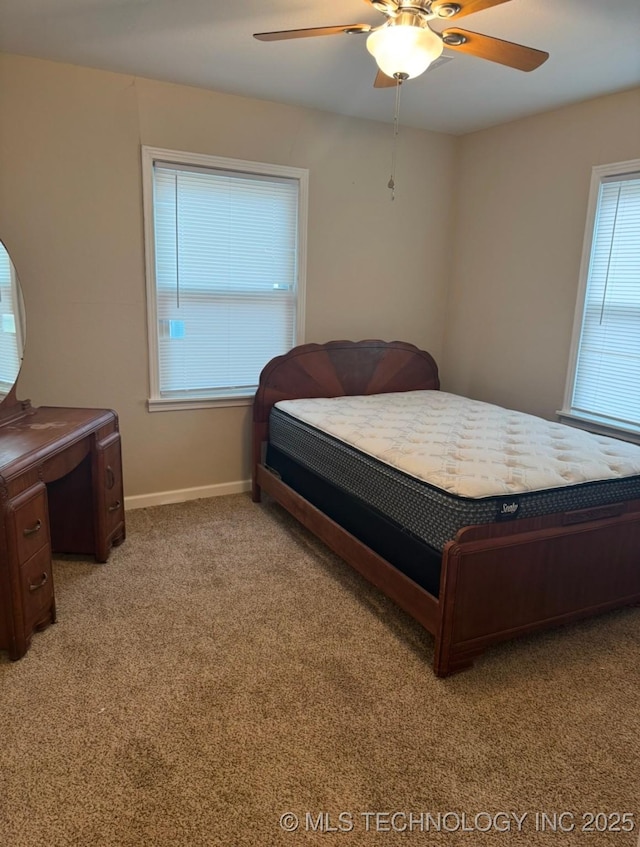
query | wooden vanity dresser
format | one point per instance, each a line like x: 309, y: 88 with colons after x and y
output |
x: 60, y: 491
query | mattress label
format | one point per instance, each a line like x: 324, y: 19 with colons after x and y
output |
x: 507, y: 510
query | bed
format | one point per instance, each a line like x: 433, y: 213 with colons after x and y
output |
x: 473, y: 570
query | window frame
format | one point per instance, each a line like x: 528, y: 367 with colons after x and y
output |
x: 599, y: 175
x: 150, y: 155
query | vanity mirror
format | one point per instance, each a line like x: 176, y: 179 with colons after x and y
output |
x: 12, y: 324
x: 12, y: 337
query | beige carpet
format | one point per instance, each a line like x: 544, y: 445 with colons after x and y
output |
x: 224, y: 669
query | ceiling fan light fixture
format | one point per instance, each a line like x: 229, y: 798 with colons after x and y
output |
x: 404, y: 50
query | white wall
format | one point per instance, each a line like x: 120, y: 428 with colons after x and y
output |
x: 71, y: 217
x: 491, y: 297
x: 521, y: 202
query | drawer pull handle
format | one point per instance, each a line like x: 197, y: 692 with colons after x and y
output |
x: 115, y: 506
x: 31, y: 530
x: 38, y: 585
x: 111, y: 479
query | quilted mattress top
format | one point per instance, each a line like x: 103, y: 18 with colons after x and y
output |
x: 467, y: 447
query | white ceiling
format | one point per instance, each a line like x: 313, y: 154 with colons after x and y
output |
x: 594, y: 47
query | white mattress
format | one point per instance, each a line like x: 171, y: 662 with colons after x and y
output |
x: 465, y: 447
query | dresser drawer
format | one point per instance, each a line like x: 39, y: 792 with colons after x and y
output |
x: 37, y: 586
x: 28, y: 522
x: 110, y: 526
x: 110, y: 482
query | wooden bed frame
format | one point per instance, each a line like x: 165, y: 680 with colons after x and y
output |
x: 497, y: 581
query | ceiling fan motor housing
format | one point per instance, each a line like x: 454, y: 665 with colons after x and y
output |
x: 423, y: 8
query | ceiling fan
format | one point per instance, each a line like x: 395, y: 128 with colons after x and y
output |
x: 405, y: 44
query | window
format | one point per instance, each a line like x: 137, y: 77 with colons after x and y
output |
x: 603, y: 386
x: 225, y: 273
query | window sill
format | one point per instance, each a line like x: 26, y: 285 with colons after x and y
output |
x: 159, y: 404
x: 599, y: 427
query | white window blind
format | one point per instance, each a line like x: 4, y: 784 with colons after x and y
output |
x: 605, y: 386
x: 226, y: 277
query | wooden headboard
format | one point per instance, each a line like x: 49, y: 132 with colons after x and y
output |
x: 335, y: 369
x: 340, y: 368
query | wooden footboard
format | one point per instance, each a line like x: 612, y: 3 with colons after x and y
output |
x: 504, y: 580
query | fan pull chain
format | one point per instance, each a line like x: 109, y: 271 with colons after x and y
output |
x: 396, y: 125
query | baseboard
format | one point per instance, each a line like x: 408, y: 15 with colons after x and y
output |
x: 181, y: 495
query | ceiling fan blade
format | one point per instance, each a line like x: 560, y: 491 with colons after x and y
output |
x: 309, y: 33
x: 494, y: 49
x: 464, y: 7
x: 384, y: 81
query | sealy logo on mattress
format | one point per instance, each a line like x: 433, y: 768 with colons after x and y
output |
x: 507, y: 510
